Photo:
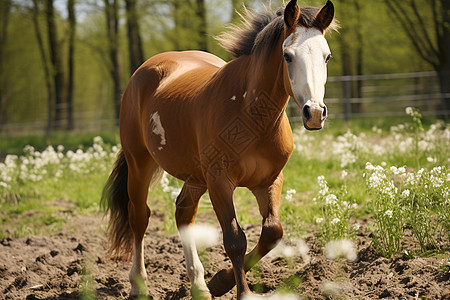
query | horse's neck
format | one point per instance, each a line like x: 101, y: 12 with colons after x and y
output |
x: 266, y: 81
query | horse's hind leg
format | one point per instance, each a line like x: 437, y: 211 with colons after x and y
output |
x: 141, y: 169
x: 187, y: 204
x: 269, y: 205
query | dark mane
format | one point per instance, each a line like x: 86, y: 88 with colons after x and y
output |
x: 262, y: 30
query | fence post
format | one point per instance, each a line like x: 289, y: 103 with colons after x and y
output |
x: 347, y: 99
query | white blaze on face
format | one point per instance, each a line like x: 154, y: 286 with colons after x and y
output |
x: 157, y: 128
x: 306, y: 53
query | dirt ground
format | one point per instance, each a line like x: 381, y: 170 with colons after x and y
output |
x: 61, y: 265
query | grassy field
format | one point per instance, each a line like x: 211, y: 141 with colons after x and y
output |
x: 393, y: 172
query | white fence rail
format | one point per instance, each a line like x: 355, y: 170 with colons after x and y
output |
x: 381, y: 95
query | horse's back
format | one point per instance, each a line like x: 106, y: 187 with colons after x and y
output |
x: 158, y: 105
x: 169, y: 74
x: 172, y: 65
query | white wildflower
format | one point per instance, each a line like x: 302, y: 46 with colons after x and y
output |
x: 335, y: 221
x: 303, y: 250
x: 290, y: 194
x: 424, y: 145
x: 341, y: 248
x: 331, y: 199
x: 369, y: 166
x: 332, y: 289
x: 431, y: 159
x: 388, y: 213
x: 98, y: 140
x: 203, y: 236
x: 283, y: 250
x: 409, y: 111
x: 289, y: 251
x: 405, y: 193
x: 319, y: 220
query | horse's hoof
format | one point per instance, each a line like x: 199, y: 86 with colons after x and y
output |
x: 222, y: 282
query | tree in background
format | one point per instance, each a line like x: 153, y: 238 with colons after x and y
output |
x: 115, y: 68
x: 45, y: 64
x: 351, y: 46
x: 56, y: 65
x: 427, y: 24
x: 202, y: 25
x: 191, y: 28
x: 136, y: 54
x: 97, y: 51
x: 70, y: 84
x: 5, y: 9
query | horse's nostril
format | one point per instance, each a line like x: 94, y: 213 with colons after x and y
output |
x: 306, y: 112
x: 324, y: 113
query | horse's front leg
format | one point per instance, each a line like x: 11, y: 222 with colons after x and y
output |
x: 234, y: 239
x: 269, y: 204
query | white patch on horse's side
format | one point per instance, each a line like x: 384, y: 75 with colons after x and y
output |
x: 245, y: 94
x: 233, y: 98
x: 157, y: 128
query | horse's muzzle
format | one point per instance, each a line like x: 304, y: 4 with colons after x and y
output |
x: 314, y: 115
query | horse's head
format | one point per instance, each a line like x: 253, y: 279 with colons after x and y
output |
x: 306, y: 53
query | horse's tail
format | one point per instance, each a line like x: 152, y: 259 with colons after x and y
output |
x: 115, y: 203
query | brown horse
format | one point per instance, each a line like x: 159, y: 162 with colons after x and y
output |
x: 218, y: 126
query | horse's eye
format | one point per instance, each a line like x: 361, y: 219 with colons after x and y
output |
x: 328, y: 58
x: 287, y: 57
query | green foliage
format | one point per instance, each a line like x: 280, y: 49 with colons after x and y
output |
x: 33, y: 180
x: 337, y: 213
x: 289, y: 284
x: 170, y: 26
x: 418, y: 199
x: 87, y: 282
x: 40, y: 186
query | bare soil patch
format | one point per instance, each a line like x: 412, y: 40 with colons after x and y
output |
x: 60, y: 266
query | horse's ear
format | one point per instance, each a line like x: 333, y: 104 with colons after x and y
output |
x: 291, y: 13
x: 325, y: 16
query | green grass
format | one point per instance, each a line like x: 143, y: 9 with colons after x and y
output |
x: 341, y: 148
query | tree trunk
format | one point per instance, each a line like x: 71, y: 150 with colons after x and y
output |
x: 70, y: 83
x: 5, y: 8
x: 56, y: 65
x: 112, y: 20
x: 444, y: 47
x: 202, y: 25
x: 47, y: 73
x: 134, y: 38
x: 357, y: 87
